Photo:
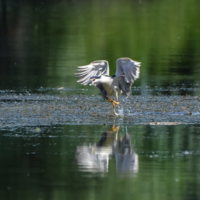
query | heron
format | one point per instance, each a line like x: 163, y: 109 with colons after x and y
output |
x: 97, y: 74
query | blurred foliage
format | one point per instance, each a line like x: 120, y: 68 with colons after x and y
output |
x: 44, y: 41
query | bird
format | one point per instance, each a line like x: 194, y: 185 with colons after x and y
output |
x: 97, y: 74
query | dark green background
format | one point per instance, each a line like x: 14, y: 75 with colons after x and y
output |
x: 42, y: 42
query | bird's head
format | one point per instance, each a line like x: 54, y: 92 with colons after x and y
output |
x: 95, y: 80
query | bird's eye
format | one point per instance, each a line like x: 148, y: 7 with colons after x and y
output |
x: 94, y: 79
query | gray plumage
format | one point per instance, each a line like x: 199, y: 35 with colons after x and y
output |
x: 94, y: 69
x: 97, y: 74
x: 126, y: 73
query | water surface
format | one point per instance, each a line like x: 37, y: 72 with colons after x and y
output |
x: 56, y: 140
x: 70, y: 162
x: 42, y: 42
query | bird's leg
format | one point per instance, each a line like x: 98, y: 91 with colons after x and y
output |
x: 114, y: 109
x: 113, y: 103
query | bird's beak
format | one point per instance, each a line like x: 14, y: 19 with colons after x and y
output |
x: 90, y: 82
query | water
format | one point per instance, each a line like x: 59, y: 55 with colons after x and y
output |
x: 69, y: 162
x: 58, y: 139
x: 43, y: 42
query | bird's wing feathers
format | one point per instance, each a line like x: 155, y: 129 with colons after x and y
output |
x: 95, y: 68
x: 123, y: 85
x: 128, y: 67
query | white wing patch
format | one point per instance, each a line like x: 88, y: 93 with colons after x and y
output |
x: 95, y: 68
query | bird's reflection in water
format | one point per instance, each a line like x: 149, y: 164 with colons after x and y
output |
x: 95, y: 157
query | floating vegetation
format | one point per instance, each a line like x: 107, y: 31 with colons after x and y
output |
x: 40, y: 110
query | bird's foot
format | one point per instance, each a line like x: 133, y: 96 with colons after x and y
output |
x: 112, y: 101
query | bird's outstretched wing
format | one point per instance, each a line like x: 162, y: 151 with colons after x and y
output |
x: 95, y: 68
x: 129, y: 68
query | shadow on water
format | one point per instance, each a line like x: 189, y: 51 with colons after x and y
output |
x: 95, y: 157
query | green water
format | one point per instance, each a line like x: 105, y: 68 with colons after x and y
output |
x: 42, y: 42
x: 43, y: 163
x: 41, y: 45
